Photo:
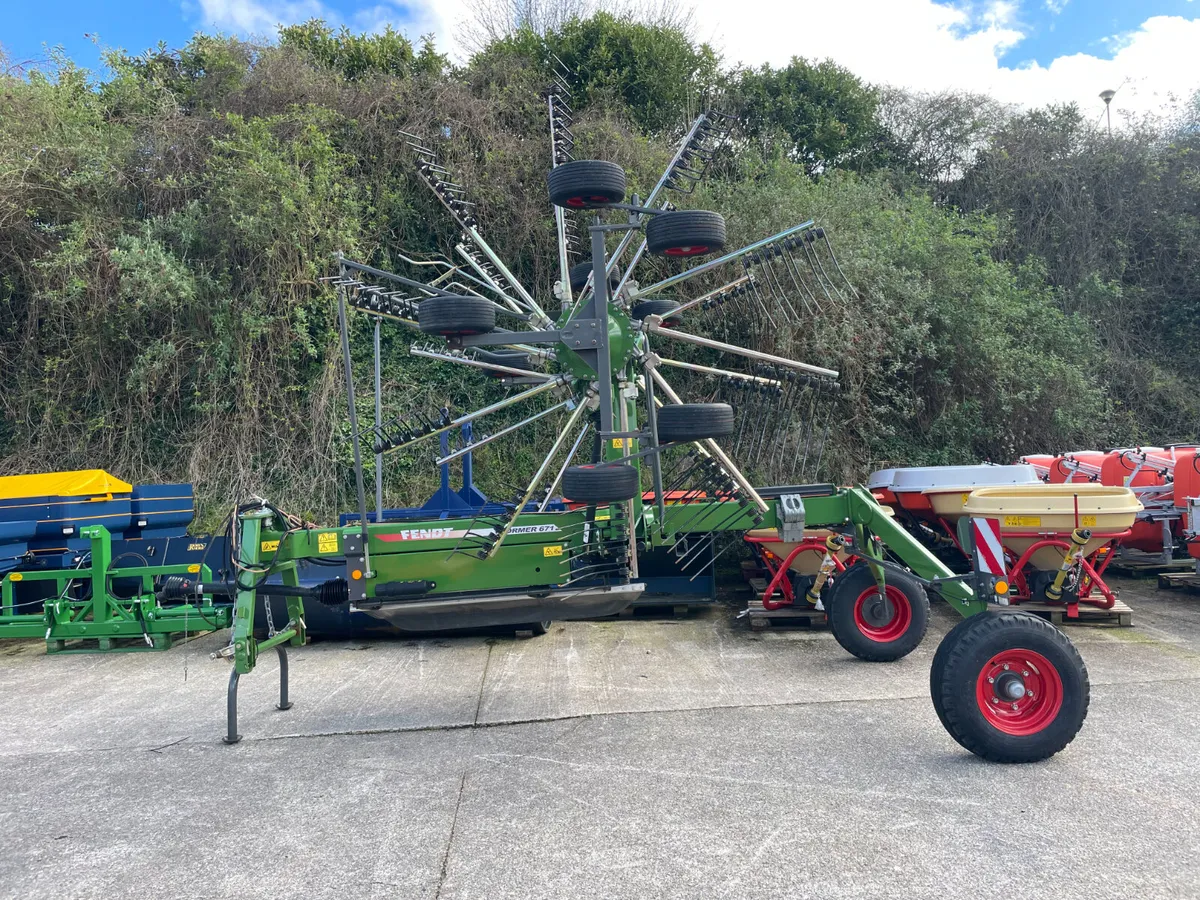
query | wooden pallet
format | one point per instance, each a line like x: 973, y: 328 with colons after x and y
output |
x: 1187, y: 580
x: 799, y: 614
x: 1120, y: 615
x: 656, y: 608
x: 1135, y: 566
x: 788, y: 615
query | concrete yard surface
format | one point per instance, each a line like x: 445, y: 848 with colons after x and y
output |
x: 630, y: 758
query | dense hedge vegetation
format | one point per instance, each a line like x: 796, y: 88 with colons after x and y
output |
x: 1024, y: 284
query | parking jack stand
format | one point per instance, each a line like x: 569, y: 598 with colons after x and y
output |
x: 231, y: 732
x: 245, y: 647
x: 284, y: 702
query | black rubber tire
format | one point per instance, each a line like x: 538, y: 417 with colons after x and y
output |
x: 694, y: 421
x: 936, y: 670
x: 685, y: 232
x: 600, y: 484
x: 514, y: 359
x: 455, y: 315
x: 662, y: 308
x: 586, y: 184
x: 579, y: 276
x: 960, y: 660
x: 840, y: 608
x: 537, y: 629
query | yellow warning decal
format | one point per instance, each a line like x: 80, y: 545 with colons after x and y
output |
x: 602, y: 517
x: 966, y: 497
x: 618, y: 443
x: 194, y: 568
x: 1022, y: 521
x: 1087, y: 521
x: 552, y: 550
x: 16, y: 576
x: 270, y: 546
x: 327, y: 542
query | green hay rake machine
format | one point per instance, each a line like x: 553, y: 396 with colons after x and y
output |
x: 654, y: 473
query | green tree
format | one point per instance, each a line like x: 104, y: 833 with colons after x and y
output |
x: 655, y: 73
x: 819, y: 115
x: 356, y: 56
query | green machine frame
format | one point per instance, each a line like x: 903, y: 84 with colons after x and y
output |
x: 88, y: 606
x: 528, y: 563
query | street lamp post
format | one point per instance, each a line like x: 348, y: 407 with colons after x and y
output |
x: 1107, y: 96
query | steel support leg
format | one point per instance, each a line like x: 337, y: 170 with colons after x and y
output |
x: 284, y: 702
x: 231, y: 732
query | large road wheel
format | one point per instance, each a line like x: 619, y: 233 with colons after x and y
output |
x: 1009, y: 687
x: 869, y: 628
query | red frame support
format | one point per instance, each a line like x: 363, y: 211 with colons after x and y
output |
x: 779, y: 580
x: 1093, y: 567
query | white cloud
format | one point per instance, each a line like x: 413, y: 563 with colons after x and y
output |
x: 919, y: 44
x: 263, y: 17
x: 926, y: 45
x: 250, y: 17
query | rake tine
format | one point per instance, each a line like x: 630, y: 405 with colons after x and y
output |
x: 773, y: 404
x: 811, y: 239
x: 818, y: 399
x: 693, y: 552
x: 758, y: 296
x: 812, y: 263
x: 836, y: 264
x: 781, y: 253
x: 780, y: 292
x: 713, y: 562
x: 825, y: 433
x: 782, y: 434
x: 805, y: 436
x: 696, y: 519
x: 806, y: 292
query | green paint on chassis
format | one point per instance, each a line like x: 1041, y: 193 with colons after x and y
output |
x: 413, y: 552
x: 113, y: 619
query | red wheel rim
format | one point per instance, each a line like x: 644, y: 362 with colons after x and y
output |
x: 883, y: 631
x: 686, y: 251
x: 1043, y: 691
x: 582, y: 202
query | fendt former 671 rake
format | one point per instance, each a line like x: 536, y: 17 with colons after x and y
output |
x: 655, y: 472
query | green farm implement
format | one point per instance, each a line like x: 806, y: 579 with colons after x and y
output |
x: 637, y: 468
x: 96, y: 604
x: 628, y: 466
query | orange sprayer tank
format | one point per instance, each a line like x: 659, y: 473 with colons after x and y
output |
x: 1061, y: 471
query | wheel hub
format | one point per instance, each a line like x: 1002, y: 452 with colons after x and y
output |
x: 877, y: 611
x: 883, y: 619
x: 1009, y: 686
x: 1019, y: 691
